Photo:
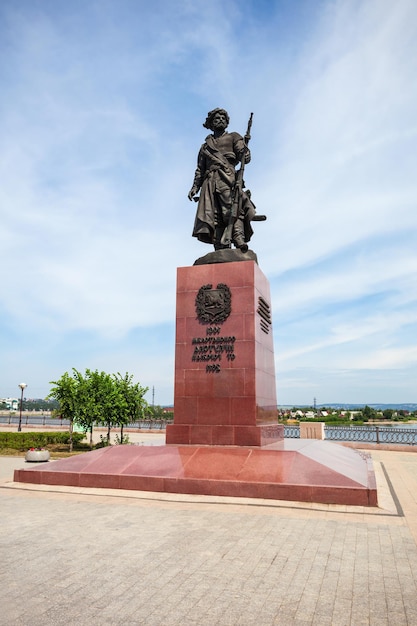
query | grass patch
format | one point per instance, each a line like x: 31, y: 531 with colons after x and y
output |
x: 58, y: 443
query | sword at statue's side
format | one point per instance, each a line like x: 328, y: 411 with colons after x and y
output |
x: 227, y: 236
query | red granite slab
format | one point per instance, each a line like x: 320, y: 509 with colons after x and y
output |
x: 302, y: 470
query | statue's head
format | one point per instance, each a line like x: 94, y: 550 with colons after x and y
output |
x: 212, y: 114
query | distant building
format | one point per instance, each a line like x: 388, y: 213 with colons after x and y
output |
x: 12, y: 404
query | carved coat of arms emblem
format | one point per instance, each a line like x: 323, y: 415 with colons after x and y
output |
x: 213, y: 306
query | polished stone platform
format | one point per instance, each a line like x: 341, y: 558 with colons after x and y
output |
x: 296, y: 470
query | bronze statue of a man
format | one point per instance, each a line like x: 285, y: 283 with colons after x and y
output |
x: 215, y: 176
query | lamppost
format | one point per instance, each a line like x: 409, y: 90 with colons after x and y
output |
x: 22, y: 387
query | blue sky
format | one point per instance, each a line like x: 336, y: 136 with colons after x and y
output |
x: 101, y: 113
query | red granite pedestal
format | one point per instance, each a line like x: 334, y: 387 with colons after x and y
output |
x: 225, y: 440
x: 225, y: 388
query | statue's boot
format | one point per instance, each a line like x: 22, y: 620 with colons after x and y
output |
x: 240, y: 243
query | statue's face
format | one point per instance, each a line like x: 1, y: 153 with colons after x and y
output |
x: 219, y: 121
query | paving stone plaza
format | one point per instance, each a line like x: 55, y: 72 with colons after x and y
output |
x: 84, y: 556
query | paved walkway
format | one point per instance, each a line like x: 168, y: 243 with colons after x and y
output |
x: 78, y: 557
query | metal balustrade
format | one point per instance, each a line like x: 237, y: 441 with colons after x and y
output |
x: 371, y: 434
x: 33, y: 420
x: 291, y: 432
x: 45, y: 420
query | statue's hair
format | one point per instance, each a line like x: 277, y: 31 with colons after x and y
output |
x: 211, y: 114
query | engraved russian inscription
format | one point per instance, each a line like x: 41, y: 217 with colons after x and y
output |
x: 211, y: 369
x: 212, y: 348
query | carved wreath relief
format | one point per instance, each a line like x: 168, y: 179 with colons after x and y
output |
x: 213, y: 307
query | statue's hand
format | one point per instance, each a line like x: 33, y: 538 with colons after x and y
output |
x: 192, y: 193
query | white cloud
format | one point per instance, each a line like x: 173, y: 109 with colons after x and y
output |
x: 349, y: 147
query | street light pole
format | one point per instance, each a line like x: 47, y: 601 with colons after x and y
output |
x: 22, y: 387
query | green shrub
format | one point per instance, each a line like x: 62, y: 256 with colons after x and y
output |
x: 24, y: 441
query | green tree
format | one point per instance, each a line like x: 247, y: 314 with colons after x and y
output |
x: 87, y: 408
x: 102, y: 400
x: 388, y: 413
x: 155, y: 412
x: 369, y: 413
x: 65, y: 393
x: 130, y: 401
x: 99, y: 398
x: 39, y: 405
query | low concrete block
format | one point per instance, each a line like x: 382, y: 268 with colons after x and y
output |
x: 312, y: 430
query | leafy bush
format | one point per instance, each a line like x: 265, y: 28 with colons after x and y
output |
x: 103, y: 443
x: 121, y: 440
x: 328, y: 419
x: 24, y: 441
